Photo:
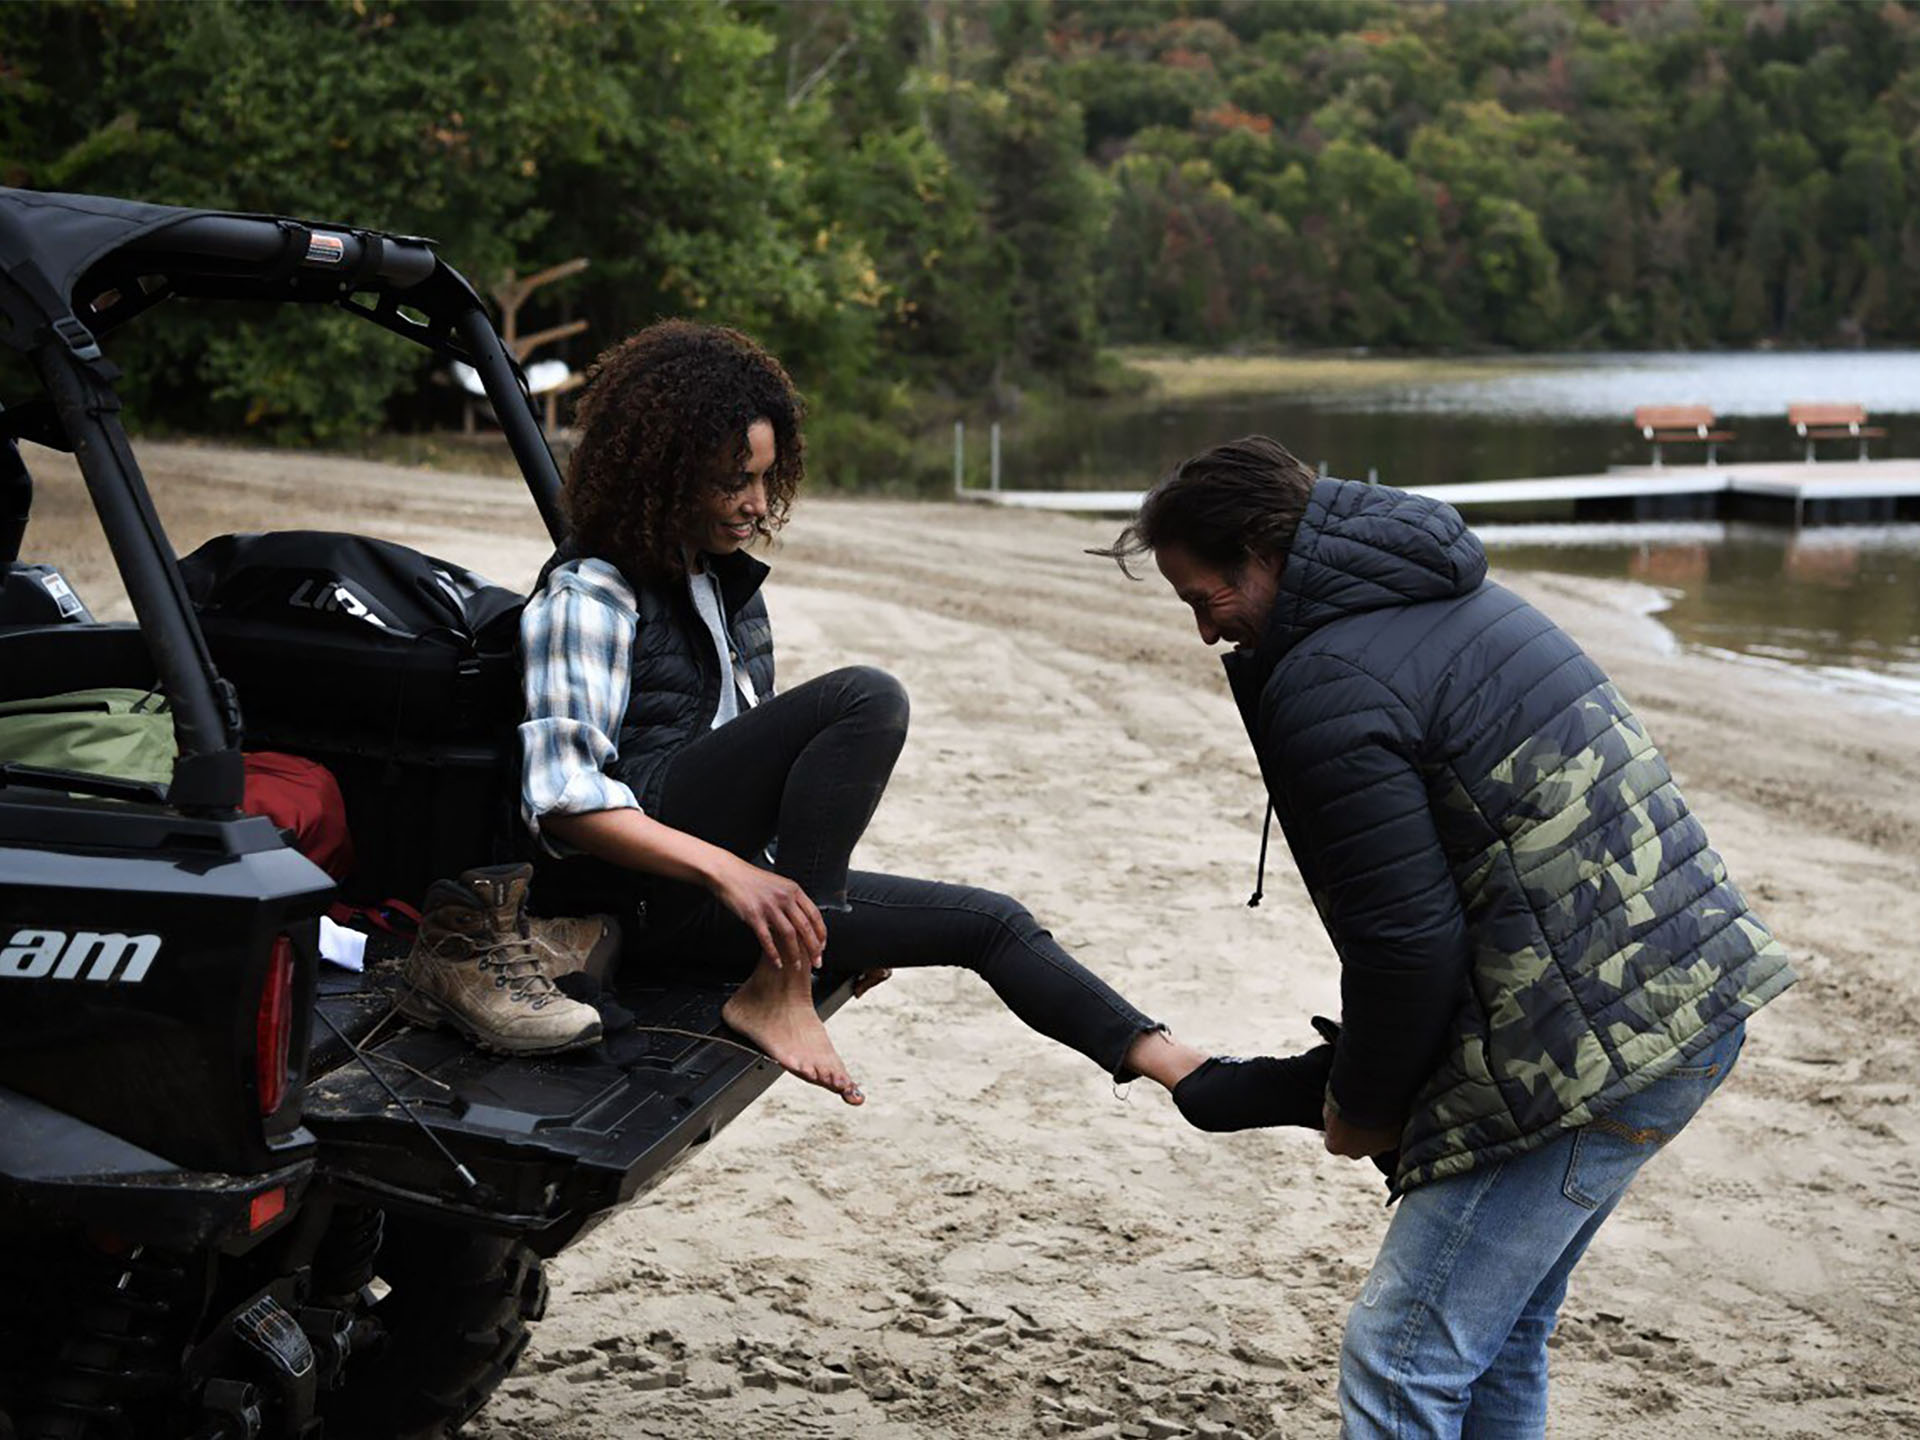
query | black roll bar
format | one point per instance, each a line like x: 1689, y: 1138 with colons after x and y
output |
x: 355, y: 255
x: 513, y: 408
x: 288, y: 260
x: 260, y: 258
x: 208, y: 775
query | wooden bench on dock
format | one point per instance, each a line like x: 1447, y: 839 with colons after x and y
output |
x: 1679, y: 424
x: 1827, y: 420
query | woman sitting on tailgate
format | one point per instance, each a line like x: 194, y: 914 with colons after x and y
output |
x: 662, y: 766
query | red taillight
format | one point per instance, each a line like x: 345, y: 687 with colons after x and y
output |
x: 273, y: 1028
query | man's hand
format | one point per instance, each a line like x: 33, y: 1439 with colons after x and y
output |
x: 1354, y: 1143
x: 787, y: 923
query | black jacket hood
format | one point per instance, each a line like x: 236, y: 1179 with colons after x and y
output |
x: 1367, y: 547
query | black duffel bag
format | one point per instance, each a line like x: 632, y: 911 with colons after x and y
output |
x: 346, y: 635
x: 396, y: 670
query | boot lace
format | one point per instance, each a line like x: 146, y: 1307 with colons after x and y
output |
x: 516, y: 967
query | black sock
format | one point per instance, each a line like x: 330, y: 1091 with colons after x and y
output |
x: 1227, y: 1093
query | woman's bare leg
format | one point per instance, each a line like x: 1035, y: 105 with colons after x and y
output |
x: 1160, y: 1057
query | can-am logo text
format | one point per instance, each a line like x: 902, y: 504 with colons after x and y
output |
x: 85, y: 954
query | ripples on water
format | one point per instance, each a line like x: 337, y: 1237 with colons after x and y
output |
x: 1608, y: 387
x: 1840, y: 604
x: 1558, y: 415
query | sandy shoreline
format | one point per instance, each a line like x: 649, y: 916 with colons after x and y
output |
x: 997, y: 1244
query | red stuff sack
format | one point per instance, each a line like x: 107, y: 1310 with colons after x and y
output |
x: 301, y: 796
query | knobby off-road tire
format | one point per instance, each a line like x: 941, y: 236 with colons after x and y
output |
x: 456, y: 1320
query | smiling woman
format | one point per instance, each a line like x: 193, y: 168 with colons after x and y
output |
x: 677, y: 421
x: 729, y: 515
x: 666, y: 781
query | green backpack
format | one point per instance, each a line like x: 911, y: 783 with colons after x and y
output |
x: 120, y: 732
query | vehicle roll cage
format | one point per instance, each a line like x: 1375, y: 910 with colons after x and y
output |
x: 395, y: 281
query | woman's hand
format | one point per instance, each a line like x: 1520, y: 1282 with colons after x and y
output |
x: 787, y: 923
x: 782, y: 918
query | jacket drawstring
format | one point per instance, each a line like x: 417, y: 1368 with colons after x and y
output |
x: 1260, y: 875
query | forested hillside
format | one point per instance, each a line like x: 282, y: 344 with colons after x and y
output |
x: 917, y: 196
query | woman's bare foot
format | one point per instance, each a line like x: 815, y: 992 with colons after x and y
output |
x: 774, y: 1009
x: 1158, y: 1056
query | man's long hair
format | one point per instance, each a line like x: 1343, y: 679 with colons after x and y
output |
x: 1223, y: 506
x: 663, y: 422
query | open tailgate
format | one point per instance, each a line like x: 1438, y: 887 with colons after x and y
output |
x: 552, y: 1142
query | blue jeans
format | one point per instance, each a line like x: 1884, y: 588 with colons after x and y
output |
x: 1449, y: 1336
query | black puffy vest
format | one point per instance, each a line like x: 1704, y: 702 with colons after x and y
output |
x: 673, y: 691
x: 676, y: 677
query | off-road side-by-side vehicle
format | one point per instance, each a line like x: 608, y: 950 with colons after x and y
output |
x: 236, y: 1200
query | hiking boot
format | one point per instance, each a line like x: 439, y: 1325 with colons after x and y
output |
x: 476, y: 967
x: 586, y: 944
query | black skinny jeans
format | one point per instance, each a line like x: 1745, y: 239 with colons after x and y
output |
x: 803, y: 772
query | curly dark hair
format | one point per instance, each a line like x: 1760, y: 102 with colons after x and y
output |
x: 663, y: 423
x: 1224, y: 506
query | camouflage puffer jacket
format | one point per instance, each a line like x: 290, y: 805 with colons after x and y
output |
x: 1531, y: 924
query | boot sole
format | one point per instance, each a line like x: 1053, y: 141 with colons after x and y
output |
x: 425, y: 1010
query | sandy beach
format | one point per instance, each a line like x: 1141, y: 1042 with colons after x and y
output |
x: 998, y: 1243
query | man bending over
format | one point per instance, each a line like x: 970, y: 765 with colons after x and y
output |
x: 1545, y: 970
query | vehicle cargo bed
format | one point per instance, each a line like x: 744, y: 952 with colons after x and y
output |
x: 612, y: 1120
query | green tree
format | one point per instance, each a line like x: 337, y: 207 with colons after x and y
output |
x: 1022, y: 150
x: 515, y: 133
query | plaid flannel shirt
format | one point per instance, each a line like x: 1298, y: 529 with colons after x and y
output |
x: 576, y: 637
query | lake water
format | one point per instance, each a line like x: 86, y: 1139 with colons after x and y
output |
x: 1840, y: 604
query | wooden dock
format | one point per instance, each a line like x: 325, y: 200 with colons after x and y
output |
x: 1792, y: 492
